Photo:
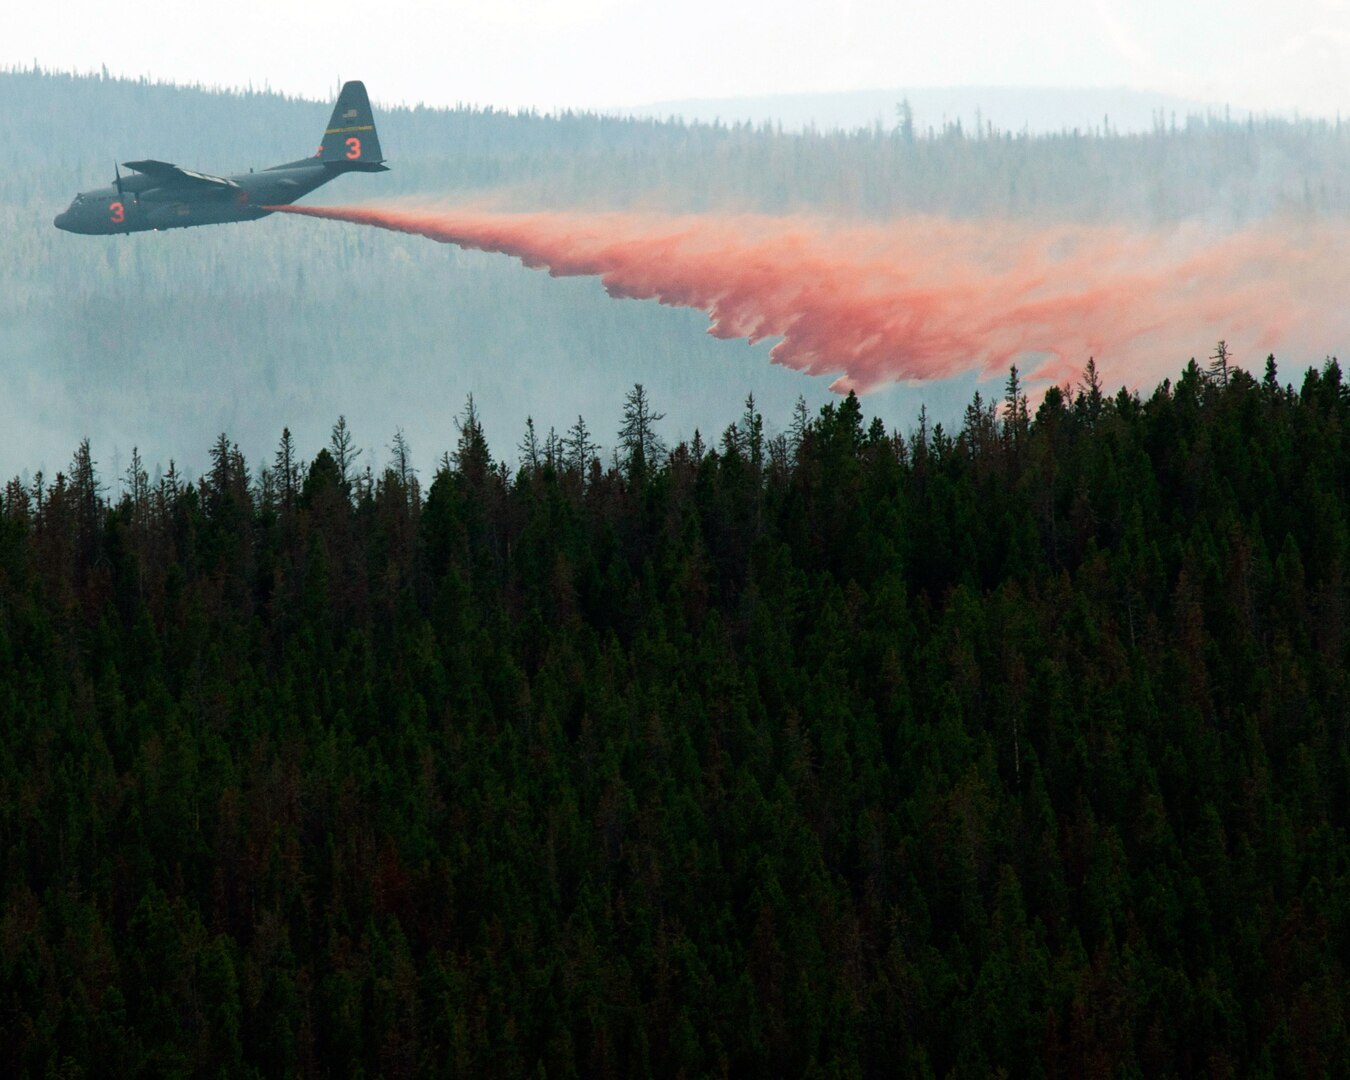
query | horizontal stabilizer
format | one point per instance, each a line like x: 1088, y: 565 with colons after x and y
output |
x: 172, y: 174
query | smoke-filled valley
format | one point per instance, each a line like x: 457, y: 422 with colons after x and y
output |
x: 165, y: 340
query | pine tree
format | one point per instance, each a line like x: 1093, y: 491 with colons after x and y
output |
x: 218, y: 476
x: 752, y: 431
x: 286, y: 470
x: 138, y: 488
x: 342, y: 446
x: 580, y: 448
x: 472, y: 459
x: 641, y: 446
x: 1016, y: 416
x: 402, y: 461
x: 528, y: 448
x: 1090, y: 400
x: 554, y: 449
x: 1218, y: 363
x: 801, y: 424
x: 85, y: 492
x: 1270, y: 382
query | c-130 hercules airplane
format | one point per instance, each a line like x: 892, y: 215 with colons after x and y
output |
x: 164, y: 196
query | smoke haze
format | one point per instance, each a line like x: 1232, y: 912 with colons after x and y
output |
x: 925, y: 298
x: 164, y: 341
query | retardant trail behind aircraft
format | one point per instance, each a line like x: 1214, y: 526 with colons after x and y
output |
x: 925, y: 298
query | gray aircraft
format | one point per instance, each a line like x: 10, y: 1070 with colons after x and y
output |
x: 164, y: 196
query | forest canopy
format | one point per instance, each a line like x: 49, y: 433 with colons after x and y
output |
x: 1017, y: 747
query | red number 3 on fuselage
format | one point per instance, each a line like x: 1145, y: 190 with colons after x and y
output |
x: 117, y: 213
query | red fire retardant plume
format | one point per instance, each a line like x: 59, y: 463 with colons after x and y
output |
x: 926, y: 298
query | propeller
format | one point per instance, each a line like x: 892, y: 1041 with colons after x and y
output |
x: 117, y: 179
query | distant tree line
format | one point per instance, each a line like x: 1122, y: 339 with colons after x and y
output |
x: 1217, y: 168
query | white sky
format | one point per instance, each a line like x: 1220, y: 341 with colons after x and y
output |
x: 1263, y: 54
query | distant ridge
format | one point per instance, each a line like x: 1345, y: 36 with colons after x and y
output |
x: 1009, y: 108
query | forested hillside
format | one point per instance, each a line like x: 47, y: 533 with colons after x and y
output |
x: 163, y: 340
x: 1186, y: 167
x: 1018, y: 747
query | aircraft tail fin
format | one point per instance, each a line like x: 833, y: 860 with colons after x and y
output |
x: 350, y: 138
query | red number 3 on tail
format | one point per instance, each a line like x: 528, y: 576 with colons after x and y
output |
x: 353, y: 148
x: 117, y: 212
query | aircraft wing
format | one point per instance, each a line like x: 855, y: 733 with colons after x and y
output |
x: 173, y: 175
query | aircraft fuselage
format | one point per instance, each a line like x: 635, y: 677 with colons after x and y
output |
x: 145, y: 202
x: 161, y: 195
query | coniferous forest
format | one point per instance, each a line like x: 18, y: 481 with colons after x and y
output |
x: 1017, y: 749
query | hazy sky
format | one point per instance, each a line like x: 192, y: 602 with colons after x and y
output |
x: 549, y: 53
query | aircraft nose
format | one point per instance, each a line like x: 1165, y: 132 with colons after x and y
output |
x: 62, y: 220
